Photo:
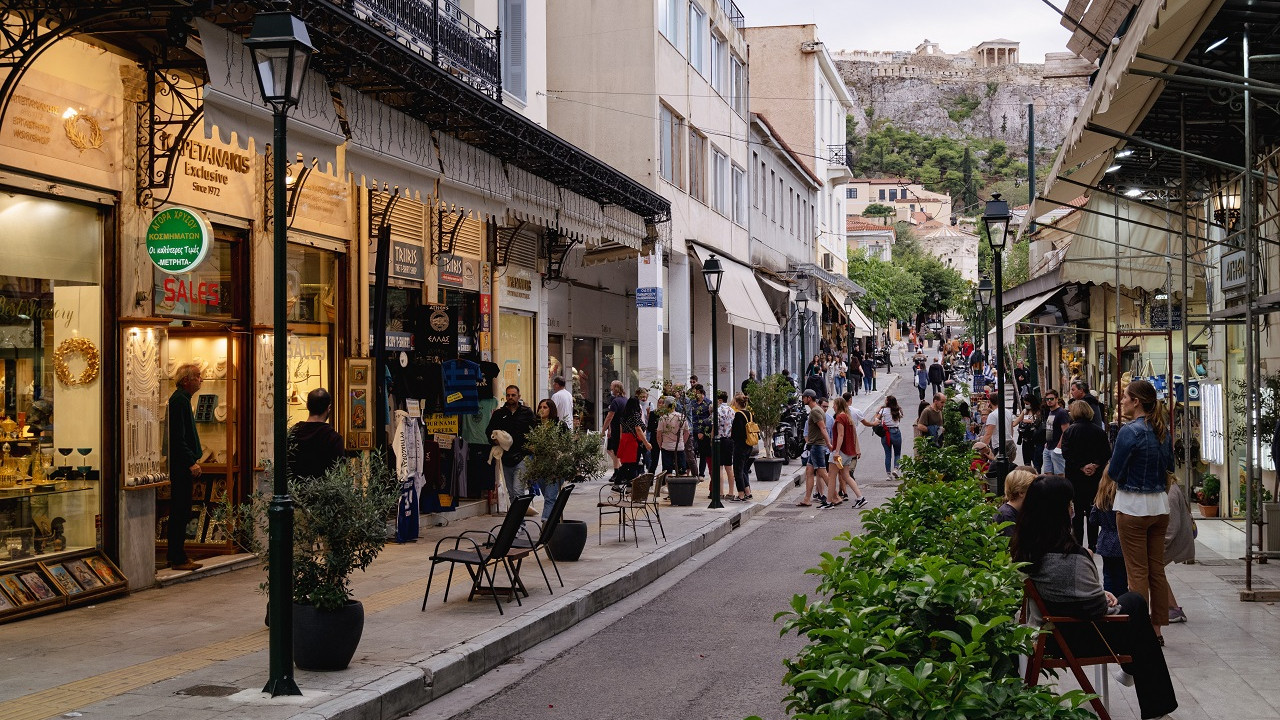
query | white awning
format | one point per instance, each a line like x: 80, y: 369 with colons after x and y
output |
x: 1119, y: 100
x: 233, y: 103
x: 744, y: 301
x: 861, y: 323
x: 1142, y: 251
x: 1018, y: 314
x: 388, y: 147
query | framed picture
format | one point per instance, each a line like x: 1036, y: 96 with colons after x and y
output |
x: 82, y: 574
x: 63, y: 578
x: 105, y: 570
x: 199, y: 491
x: 5, y: 603
x: 218, y: 490
x: 364, y: 440
x: 358, y: 371
x: 195, y: 526
x: 216, y: 532
x: 16, y: 590
x: 38, y: 587
x: 356, y: 409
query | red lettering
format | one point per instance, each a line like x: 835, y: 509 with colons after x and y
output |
x: 168, y: 289
x: 207, y: 293
x: 183, y: 293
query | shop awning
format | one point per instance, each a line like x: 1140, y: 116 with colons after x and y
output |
x: 861, y: 324
x: 830, y: 278
x: 1119, y: 99
x: 744, y: 301
x: 1020, y: 313
x: 387, y: 147
x: 1142, y: 250
x: 233, y: 104
x: 608, y: 252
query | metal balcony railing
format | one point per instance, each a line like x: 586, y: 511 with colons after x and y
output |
x: 837, y: 155
x: 735, y: 15
x: 440, y: 31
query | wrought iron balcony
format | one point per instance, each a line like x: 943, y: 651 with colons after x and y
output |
x: 735, y: 15
x: 440, y: 31
x: 837, y: 155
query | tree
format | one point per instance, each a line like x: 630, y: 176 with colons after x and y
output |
x: 877, y: 210
x: 896, y: 291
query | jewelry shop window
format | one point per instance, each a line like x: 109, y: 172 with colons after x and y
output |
x: 51, y: 401
x: 311, y: 301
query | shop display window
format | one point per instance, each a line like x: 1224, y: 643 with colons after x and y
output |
x: 208, y: 291
x: 515, y: 354
x: 312, y: 305
x: 51, y: 368
x: 586, y: 403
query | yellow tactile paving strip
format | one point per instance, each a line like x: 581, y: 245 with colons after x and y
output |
x: 55, y: 701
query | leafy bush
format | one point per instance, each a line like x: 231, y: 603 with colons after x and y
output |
x: 339, y: 526
x: 915, y: 617
x: 556, y: 454
x: 767, y: 398
x: 933, y: 464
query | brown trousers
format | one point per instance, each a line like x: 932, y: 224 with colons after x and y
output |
x: 1142, y: 541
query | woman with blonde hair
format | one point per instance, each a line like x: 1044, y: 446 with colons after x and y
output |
x: 1114, y: 579
x: 1015, y: 491
x: 1142, y: 457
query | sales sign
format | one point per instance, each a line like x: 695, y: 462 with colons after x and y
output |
x: 178, y: 239
x: 451, y: 269
x: 407, y: 261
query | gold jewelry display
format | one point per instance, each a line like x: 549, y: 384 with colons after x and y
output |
x: 70, y: 348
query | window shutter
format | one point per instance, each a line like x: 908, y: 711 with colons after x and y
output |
x: 514, y: 39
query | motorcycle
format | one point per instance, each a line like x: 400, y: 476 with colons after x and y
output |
x: 788, y: 437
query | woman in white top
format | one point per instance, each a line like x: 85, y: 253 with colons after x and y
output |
x: 839, y: 369
x: 888, y: 415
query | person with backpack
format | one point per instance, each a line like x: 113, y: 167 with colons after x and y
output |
x: 745, y: 434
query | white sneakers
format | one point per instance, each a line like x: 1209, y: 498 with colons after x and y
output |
x: 1122, y: 677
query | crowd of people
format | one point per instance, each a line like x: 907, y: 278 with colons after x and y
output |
x: 1086, y: 496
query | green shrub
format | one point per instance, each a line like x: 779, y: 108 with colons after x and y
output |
x: 933, y: 464
x: 915, y: 618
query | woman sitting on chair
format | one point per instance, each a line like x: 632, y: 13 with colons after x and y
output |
x: 1065, y: 576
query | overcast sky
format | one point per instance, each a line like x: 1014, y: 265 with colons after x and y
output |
x: 954, y: 24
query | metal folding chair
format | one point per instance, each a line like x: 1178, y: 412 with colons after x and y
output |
x: 482, y: 559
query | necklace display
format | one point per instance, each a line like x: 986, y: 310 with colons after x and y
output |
x: 144, y: 464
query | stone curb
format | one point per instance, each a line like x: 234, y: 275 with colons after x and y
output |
x: 409, y: 688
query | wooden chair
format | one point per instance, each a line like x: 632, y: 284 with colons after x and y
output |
x: 482, y: 560
x: 526, y: 541
x: 1053, y: 652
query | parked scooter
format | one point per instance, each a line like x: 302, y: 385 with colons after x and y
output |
x: 788, y: 437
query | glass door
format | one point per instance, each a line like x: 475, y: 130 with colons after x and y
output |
x: 586, y: 401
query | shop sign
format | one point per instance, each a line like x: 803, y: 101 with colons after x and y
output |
x: 1160, y: 317
x: 649, y: 297
x: 486, y: 340
x: 470, y: 274
x: 399, y: 340
x: 518, y: 287
x: 486, y: 304
x: 210, y: 174
x: 178, y: 240
x: 440, y: 424
x: 1235, y: 273
x: 486, y: 273
x: 407, y: 261
x: 450, y: 271
x: 64, y: 129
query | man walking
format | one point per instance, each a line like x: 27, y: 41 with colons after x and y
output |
x: 817, y: 442
x: 613, y: 420
x: 185, y: 453
x: 1055, y: 423
x: 700, y: 420
x: 563, y: 401
x: 516, y: 419
x: 937, y: 375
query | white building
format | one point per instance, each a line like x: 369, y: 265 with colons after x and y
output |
x: 658, y: 90
x: 872, y: 238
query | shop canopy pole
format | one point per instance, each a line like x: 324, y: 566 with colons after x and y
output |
x: 1250, y: 358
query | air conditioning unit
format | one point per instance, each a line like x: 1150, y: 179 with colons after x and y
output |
x: 828, y: 261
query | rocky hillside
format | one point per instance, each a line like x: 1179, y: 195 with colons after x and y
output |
x: 990, y: 102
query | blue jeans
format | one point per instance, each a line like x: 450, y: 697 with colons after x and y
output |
x: 867, y: 380
x: 550, y: 491
x: 840, y: 383
x: 1053, y: 463
x: 892, y: 448
x: 513, y: 475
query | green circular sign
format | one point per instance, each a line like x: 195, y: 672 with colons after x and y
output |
x: 178, y: 239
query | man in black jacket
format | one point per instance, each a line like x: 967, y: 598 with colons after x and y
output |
x: 185, y: 453
x: 1080, y: 391
x: 314, y: 446
x: 936, y: 376
x: 516, y: 419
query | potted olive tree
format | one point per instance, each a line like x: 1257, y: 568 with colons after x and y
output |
x: 1208, y: 495
x: 559, y: 455
x: 339, y: 527
x: 767, y: 398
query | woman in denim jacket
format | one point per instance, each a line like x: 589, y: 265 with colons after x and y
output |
x: 1142, y: 456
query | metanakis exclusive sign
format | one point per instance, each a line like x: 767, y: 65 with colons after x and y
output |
x: 178, y: 239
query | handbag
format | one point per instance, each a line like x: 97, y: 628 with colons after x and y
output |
x: 878, y: 429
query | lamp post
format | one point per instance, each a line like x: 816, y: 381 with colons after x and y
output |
x: 713, y: 273
x: 802, y: 308
x: 983, y: 293
x: 875, y: 339
x: 281, y: 50
x: 996, y: 217
x: 848, y: 315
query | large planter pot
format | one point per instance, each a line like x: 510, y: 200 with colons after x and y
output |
x: 326, y: 639
x: 1209, y: 511
x: 681, y: 490
x: 768, y: 469
x: 567, y: 541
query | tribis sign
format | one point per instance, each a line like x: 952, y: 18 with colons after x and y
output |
x: 190, y: 291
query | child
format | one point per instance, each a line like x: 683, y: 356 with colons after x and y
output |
x: 1114, y: 578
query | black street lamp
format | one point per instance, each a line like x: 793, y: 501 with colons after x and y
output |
x: 996, y: 217
x: 802, y: 308
x: 983, y: 293
x: 848, y: 316
x: 713, y: 273
x: 875, y: 339
x: 281, y: 50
